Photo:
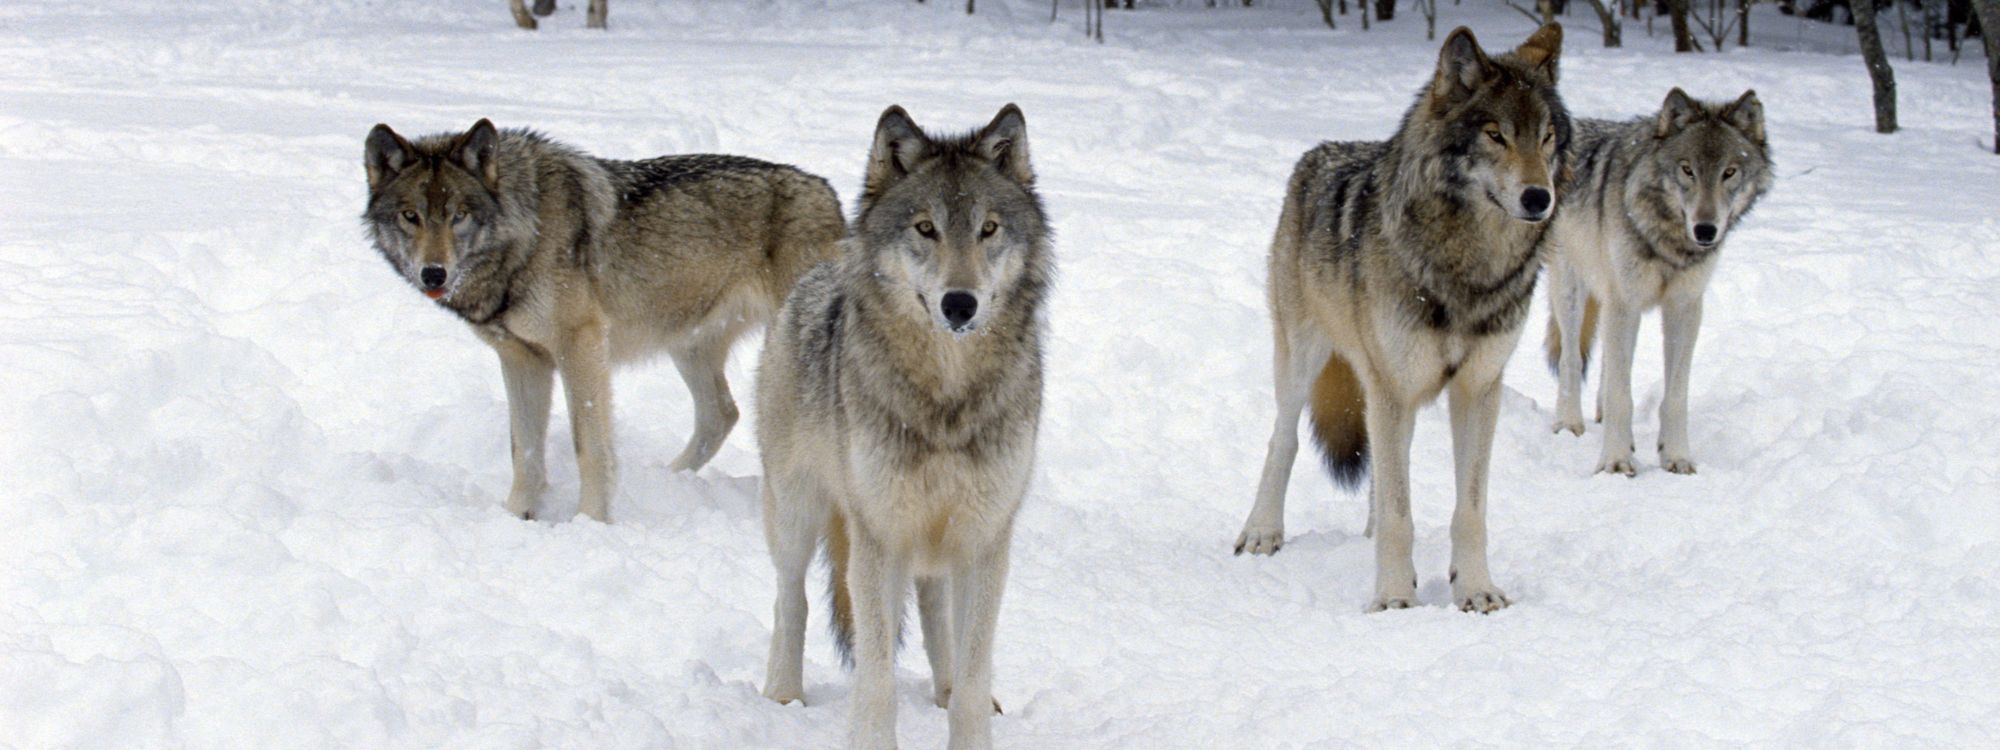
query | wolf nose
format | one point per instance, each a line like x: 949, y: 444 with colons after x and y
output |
x: 1704, y: 233
x: 432, y: 276
x: 1536, y: 200
x: 958, y: 309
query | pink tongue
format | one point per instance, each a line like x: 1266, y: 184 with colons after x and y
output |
x: 434, y: 293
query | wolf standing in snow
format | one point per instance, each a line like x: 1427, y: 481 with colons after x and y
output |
x: 567, y: 263
x: 1654, y: 199
x: 898, y: 400
x: 1404, y: 268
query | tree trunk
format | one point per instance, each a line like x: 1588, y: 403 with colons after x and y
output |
x: 1326, y: 12
x: 1548, y: 9
x: 1879, y: 71
x: 1385, y: 10
x: 1608, y: 17
x: 1742, y: 23
x: 1683, y: 37
x: 1989, y: 32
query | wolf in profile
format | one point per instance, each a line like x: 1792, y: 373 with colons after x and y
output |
x: 567, y: 263
x: 898, y: 400
x: 1402, y: 269
x: 1654, y: 199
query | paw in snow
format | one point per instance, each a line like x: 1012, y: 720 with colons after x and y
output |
x: 785, y: 694
x: 1676, y: 462
x: 1573, y: 425
x: 943, y: 699
x: 1617, y: 463
x: 1392, y: 602
x: 1258, y: 539
x: 1484, y: 600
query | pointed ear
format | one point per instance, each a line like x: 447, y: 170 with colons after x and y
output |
x: 1747, y: 114
x: 475, y: 150
x: 1004, y: 141
x: 1542, y: 49
x: 386, y: 155
x: 1461, y: 66
x: 899, y: 143
x: 1676, y: 113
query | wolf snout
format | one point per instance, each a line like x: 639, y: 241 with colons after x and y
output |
x: 1535, y: 202
x: 433, y: 278
x: 1705, y: 233
x: 958, y: 308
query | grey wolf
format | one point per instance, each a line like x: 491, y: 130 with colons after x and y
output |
x: 567, y: 263
x: 898, y: 401
x: 1654, y: 199
x: 594, y: 17
x: 1404, y: 268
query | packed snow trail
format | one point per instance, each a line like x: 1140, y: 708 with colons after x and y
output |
x: 253, y: 481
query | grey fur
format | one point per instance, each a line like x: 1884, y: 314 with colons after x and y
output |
x: 1627, y: 240
x: 564, y: 262
x: 891, y: 430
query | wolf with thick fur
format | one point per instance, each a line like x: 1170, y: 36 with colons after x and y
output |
x: 567, y: 263
x: 1653, y: 201
x: 1402, y: 269
x: 898, y: 400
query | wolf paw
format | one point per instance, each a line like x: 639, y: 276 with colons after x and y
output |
x: 1677, y: 465
x: 1485, y: 600
x: 1382, y: 603
x: 785, y: 695
x: 1573, y: 425
x: 1258, y: 539
x: 1617, y: 465
x: 943, y: 700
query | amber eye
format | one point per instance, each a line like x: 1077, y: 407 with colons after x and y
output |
x: 987, y: 229
x: 458, y: 216
x: 411, y: 217
x: 1728, y: 173
x: 1494, y: 133
x: 1687, y: 170
x: 927, y: 229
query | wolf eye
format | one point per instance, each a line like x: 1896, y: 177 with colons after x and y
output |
x: 927, y: 229
x: 1728, y: 173
x: 987, y: 229
x: 1687, y: 170
x: 458, y: 216
x: 1494, y: 133
x: 412, y: 217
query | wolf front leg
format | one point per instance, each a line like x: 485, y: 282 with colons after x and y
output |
x: 585, y: 364
x: 1475, y: 409
x: 793, y: 523
x: 877, y: 581
x: 598, y: 10
x: 1614, y: 396
x: 1390, y: 424
x: 1681, y: 323
x: 976, y: 587
x: 530, y: 379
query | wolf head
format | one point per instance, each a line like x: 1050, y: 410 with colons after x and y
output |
x: 952, y: 222
x: 1711, y: 162
x: 1498, y: 122
x: 432, y: 203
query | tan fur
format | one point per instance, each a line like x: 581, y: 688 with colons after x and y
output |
x: 1552, y: 344
x: 1339, y: 408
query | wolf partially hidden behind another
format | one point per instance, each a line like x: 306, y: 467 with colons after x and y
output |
x: 898, y: 401
x: 1402, y: 269
x: 563, y: 262
x: 1653, y: 201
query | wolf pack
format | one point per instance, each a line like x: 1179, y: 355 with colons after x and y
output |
x: 899, y: 388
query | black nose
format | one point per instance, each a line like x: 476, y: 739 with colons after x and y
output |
x: 432, y: 276
x: 1704, y: 233
x: 958, y: 308
x: 1535, y: 200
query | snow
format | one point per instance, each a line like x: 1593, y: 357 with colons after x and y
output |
x: 253, y: 481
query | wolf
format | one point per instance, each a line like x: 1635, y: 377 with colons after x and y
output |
x: 594, y: 17
x: 899, y: 396
x: 1654, y: 199
x: 1403, y: 268
x: 567, y: 263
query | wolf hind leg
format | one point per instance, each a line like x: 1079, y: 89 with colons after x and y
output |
x: 1569, y: 314
x: 1298, y: 357
x: 701, y: 364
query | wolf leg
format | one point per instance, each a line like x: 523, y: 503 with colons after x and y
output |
x: 976, y: 588
x: 793, y: 523
x: 530, y: 379
x: 1475, y: 408
x: 701, y: 365
x: 1390, y: 424
x: 1681, y: 321
x: 585, y: 364
x: 1566, y: 300
x: 1614, y: 396
x: 877, y: 582
x: 1297, y: 359
x: 521, y: 17
x: 598, y: 9
x: 934, y: 614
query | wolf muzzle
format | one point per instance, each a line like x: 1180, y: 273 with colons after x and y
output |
x: 958, y: 309
x: 433, y: 278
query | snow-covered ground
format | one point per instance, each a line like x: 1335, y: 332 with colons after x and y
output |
x: 251, y: 482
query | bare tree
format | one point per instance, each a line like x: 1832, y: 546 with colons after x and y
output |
x: 1385, y: 10
x: 1326, y: 12
x: 1430, y: 10
x: 1743, y: 22
x: 1989, y: 31
x: 1877, y: 60
x: 1612, y: 19
x: 1677, y: 10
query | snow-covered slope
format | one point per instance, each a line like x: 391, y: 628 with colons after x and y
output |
x: 251, y: 481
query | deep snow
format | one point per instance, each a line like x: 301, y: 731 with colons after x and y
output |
x: 252, y: 482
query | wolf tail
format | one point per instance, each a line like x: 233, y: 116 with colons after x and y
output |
x: 836, y: 588
x: 1339, y: 420
x: 1552, y: 343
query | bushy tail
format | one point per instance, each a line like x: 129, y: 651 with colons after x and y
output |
x: 1552, y: 343
x: 836, y: 588
x: 1339, y: 420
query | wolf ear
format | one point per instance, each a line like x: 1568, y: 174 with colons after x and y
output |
x: 475, y: 151
x: 1542, y: 49
x: 1747, y: 114
x: 386, y: 154
x: 1461, y: 66
x: 1004, y: 141
x: 898, y: 145
x: 1679, y: 110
